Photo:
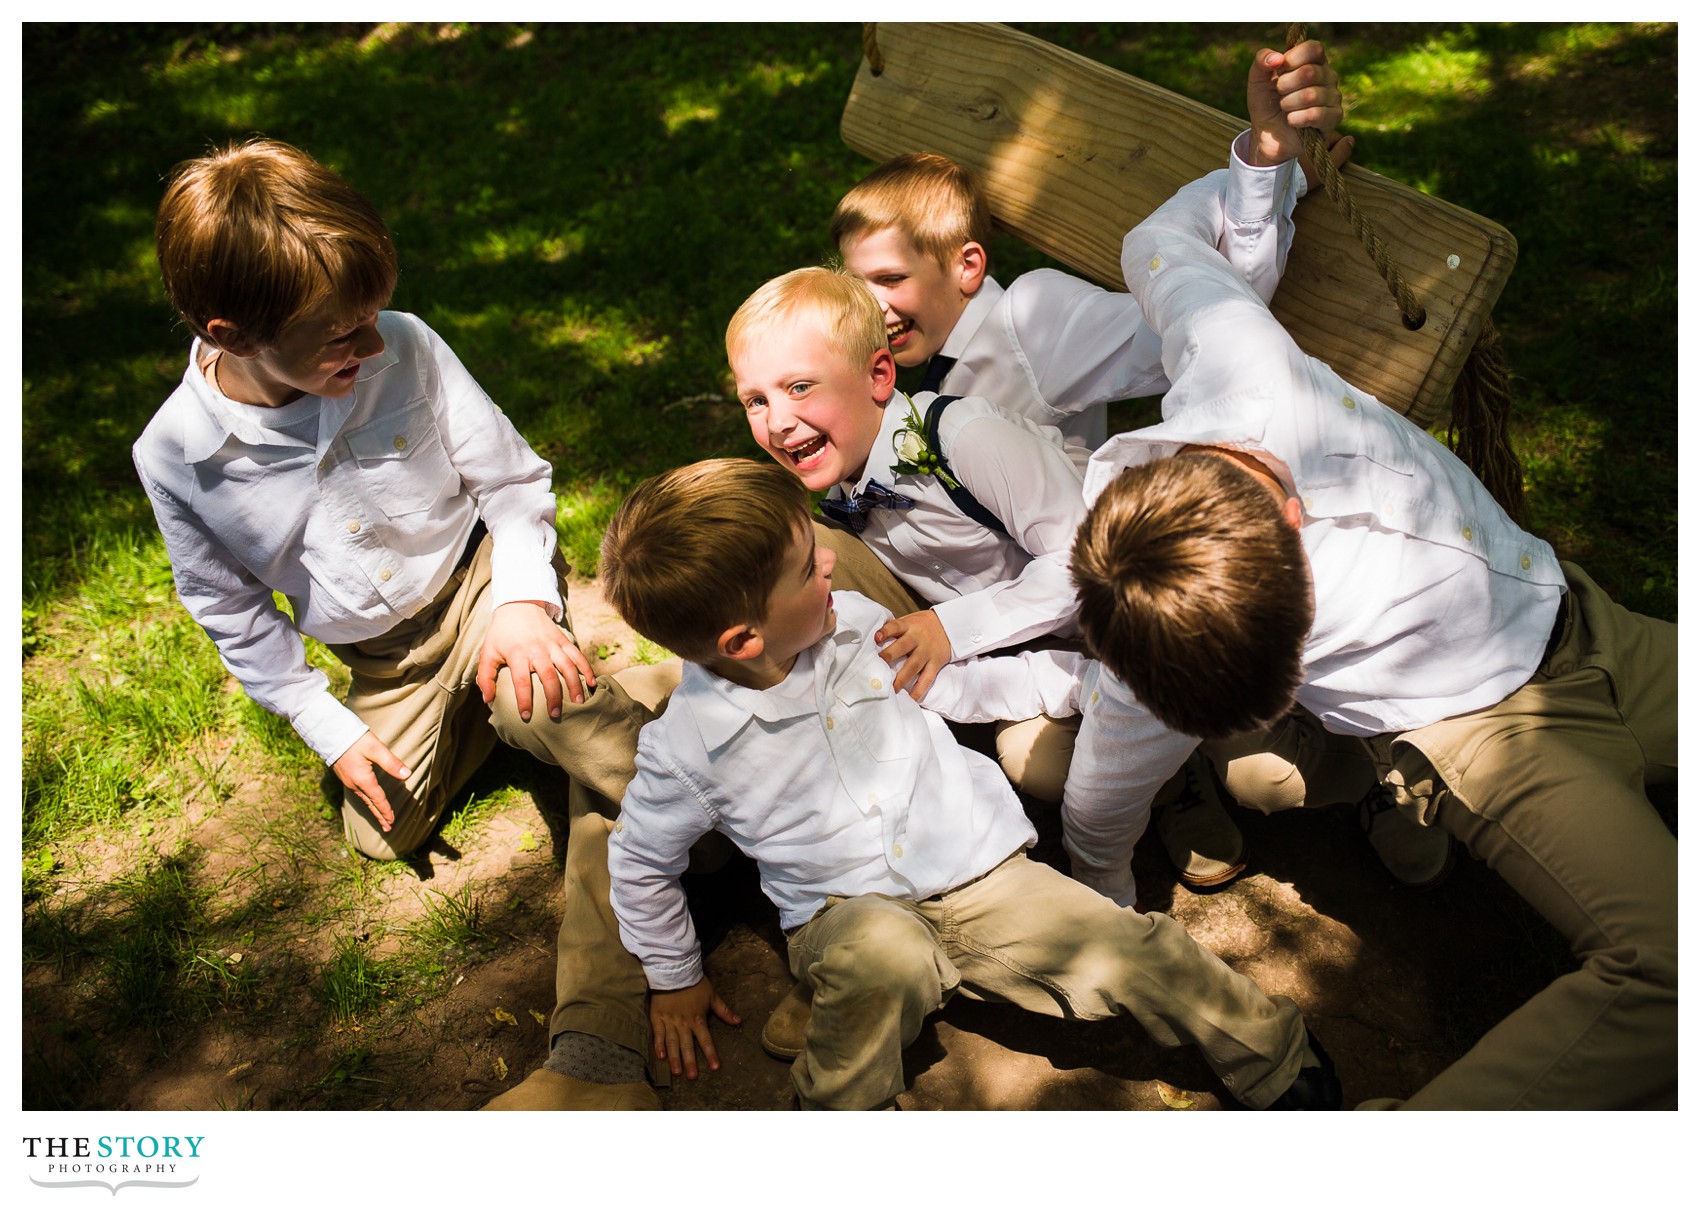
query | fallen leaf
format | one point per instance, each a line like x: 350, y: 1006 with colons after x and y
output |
x: 499, y: 1015
x: 500, y: 1067
x: 527, y: 842
x: 239, y: 1070
x: 236, y: 957
x: 1175, y: 1098
x: 541, y: 1021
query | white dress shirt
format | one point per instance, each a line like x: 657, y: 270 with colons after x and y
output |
x: 832, y: 783
x: 358, y: 527
x: 1430, y: 601
x: 988, y: 590
x: 1056, y: 349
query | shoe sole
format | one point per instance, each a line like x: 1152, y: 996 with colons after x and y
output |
x: 1213, y: 881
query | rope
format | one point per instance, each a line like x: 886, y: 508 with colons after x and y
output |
x: 1480, y: 428
x: 871, y: 46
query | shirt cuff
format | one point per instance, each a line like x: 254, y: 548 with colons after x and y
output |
x: 328, y: 727
x: 1254, y: 193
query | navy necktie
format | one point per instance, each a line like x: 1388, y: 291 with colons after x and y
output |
x: 937, y: 368
x: 854, y: 512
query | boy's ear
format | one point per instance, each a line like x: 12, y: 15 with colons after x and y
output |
x: 1293, y: 512
x: 740, y: 642
x: 882, y: 371
x: 970, y: 267
x: 229, y: 338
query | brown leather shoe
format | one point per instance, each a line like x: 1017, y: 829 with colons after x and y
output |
x: 546, y: 1090
x: 1205, y: 846
x: 786, y: 1029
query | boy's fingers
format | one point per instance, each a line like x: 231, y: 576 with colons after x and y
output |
x: 725, y: 1012
x: 705, y: 1037
x: 1341, y: 151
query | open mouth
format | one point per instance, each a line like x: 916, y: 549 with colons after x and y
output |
x: 805, y: 451
x: 895, y: 333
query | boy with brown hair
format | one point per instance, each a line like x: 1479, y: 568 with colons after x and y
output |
x: 322, y: 448
x: 895, y: 856
x: 1056, y: 349
x: 1283, y: 536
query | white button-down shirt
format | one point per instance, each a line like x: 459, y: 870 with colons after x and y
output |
x: 1429, y: 600
x: 988, y: 590
x: 834, y: 785
x: 357, y: 529
x: 1056, y: 349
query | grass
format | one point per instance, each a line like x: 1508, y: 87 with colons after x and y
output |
x: 579, y: 237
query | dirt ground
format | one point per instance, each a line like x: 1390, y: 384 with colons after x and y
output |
x: 1397, y: 983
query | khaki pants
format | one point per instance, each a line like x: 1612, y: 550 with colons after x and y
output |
x: 1027, y: 934
x: 1548, y: 788
x: 416, y: 689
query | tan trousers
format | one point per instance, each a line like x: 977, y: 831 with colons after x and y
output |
x: 416, y: 689
x: 1548, y: 788
x: 1027, y: 934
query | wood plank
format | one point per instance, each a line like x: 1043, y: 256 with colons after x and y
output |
x: 1074, y: 154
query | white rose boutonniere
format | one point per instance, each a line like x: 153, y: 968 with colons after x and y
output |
x: 914, y: 456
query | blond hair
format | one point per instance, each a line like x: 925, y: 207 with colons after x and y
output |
x: 699, y: 549
x: 841, y: 306
x: 936, y: 203
x: 1195, y: 591
x: 260, y: 233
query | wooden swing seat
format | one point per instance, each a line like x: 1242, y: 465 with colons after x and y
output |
x: 1073, y: 154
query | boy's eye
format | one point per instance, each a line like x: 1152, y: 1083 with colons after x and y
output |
x: 755, y: 402
x: 798, y: 389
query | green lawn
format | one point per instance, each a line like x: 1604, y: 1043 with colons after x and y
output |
x: 578, y: 211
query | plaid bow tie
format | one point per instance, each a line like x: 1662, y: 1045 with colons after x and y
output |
x: 854, y: 512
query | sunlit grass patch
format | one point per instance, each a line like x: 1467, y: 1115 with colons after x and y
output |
x: 356, y: 983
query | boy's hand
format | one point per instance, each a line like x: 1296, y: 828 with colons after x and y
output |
x: 1289, y: 90
x: 678, y: 1016
x: 523, y: 637
x: 354, y: 768
x: 918, y: 644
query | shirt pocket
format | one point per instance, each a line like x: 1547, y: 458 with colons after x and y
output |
x: 400, y: 463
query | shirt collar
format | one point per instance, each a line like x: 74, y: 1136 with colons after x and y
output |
x: 206, y: 428
x: 974, y: 315
x: 882, y: 454
x: 722, y: 709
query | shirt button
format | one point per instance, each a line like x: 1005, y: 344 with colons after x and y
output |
x: 619, y: 826
x: 1094, y: 696
x: 1468, y: 534
x: 1156, y: 262
x: 322, y: 463
x: 354, y: 527
x: 1349, y: 402
x: 873, y: 801
x: 1525, y: 562
x: 384, y: 575
x: 875, y: 683
x: 829, y: 724
x: 897, y: 850
x: 1306, y: 502
x: 399, y: 442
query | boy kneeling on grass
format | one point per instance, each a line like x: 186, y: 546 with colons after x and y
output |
x: 325, y: 449
x: 896, y: 857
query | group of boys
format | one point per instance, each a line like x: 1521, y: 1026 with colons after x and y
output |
x: 1282, y: 569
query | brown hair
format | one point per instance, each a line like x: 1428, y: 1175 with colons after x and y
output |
x: 260, y: 233
x: 849, y: 317
x: 935, y: 202
x: 699, y: 549
x: 1195, y: 592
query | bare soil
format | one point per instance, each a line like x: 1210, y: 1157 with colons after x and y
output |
x: 1397, y: 983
